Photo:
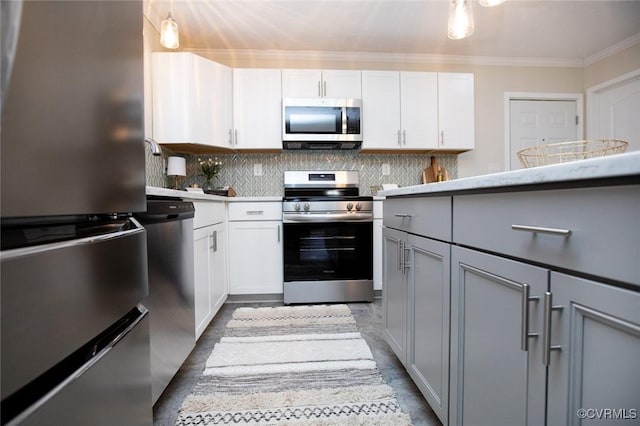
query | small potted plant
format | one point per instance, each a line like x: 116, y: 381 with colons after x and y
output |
x: 209, y: 168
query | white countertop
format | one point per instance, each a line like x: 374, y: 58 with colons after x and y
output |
x: 196, y: 196
x: 620, y: 165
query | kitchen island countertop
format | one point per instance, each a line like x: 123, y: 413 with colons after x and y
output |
x: 624, y: 166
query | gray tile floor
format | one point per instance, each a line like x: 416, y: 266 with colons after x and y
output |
x: 369, y: 319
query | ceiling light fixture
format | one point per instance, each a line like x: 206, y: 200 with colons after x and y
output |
x: 460, y: 19
x: 490, y: 3
x: 169, y: 35
x: 460, y: 23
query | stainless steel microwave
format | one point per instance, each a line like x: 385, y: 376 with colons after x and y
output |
x: 321, y: 123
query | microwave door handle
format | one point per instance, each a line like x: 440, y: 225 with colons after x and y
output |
x: 344, y: 120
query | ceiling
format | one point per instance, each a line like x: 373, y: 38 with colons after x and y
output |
x: 552, y: 29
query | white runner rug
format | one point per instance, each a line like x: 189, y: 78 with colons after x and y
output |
x: 300, y: 365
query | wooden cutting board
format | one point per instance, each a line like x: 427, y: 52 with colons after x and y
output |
x: 430, y: 174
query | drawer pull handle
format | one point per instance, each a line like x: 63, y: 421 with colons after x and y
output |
x: 540, y: 229
x: 255, y: 211
x: 402, y: 215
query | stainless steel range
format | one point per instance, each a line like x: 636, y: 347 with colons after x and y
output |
x: 328, y: 238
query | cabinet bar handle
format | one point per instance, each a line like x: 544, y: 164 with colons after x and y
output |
x: 402, y: 215
x: 404, y: 137
x: 231, y: 137
x: 524, y: 320
x: 214, y: 241
x: 441, y: 137
x: 255, y: 212
x: 325, y: 89
x: 405, y: 256
x: 546, y: 328
x: 399, y: 140
x: 319, y: 91
x: 542, y: 230
x: 400, y: 254
x: 235, y: 138
x: 278, y: 233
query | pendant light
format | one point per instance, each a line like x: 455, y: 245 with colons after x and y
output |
x: 169, y: 36
x: 460, y: 19
x: 490, y: 3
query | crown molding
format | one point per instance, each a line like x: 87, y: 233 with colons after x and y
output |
x: 612, y: 50
x: 415, y: 58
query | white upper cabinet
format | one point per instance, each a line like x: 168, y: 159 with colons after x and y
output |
x: 310, y: 83
x: 400, y: 110
x: 257, y: 109
x: 456, y: 111
x: 191, y: 100
x: 417, y: 111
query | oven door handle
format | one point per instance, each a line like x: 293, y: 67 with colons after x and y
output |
x: 327, y: 217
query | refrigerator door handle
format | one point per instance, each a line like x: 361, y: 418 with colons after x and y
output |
x: 29, y: 251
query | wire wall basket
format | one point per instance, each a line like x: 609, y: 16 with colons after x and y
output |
x: 562, y: 152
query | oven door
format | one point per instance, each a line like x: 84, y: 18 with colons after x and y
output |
x: 328, y: 251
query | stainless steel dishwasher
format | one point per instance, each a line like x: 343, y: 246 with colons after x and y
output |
x: 169, y: 225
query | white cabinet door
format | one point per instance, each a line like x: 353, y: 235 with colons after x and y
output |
x: 456, y: 111
x: 220, y: 278
x: 255, y: 257
x: 380, y: 110
x: 596, y: 367
x: 419, y: 110
x: 173, y: 105
x: 203, y: 271
x: 400, y: 110
x: 302, y: 83
x: 342, y: 84
x: 191, y: 100
x: 222, y: 115
x: 257, y: 108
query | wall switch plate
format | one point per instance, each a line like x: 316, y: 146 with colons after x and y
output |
x: 386, y: 169
x: 257, y: 169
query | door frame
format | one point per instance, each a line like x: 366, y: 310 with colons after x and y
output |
x: 538, y: 96
x: 593, y: 97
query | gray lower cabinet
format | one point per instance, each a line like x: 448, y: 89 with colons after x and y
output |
x: 428, y: 306
x: 530, y: 345
x: 394, y: 288
x: 497, y: 374
x: 416, y: 311
x: 518, y: 307
x: 595, y: 364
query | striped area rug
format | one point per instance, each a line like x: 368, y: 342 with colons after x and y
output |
x: 292, y: 365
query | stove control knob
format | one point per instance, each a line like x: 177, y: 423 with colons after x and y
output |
x: 350, y: 206
x: 306, y: 207
x: 358, y: 206
x: 297, y: 207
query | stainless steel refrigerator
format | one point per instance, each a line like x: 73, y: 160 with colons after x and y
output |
x: 74, y: 333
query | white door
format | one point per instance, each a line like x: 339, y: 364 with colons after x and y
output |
x: 537, y: 122
x: 614, y: 112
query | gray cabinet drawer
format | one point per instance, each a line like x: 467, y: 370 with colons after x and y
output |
x: 603, y: 237
x: 426, y: 216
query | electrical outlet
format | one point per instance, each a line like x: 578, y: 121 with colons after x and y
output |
x: 257, y: 169
x: 386, y: 169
